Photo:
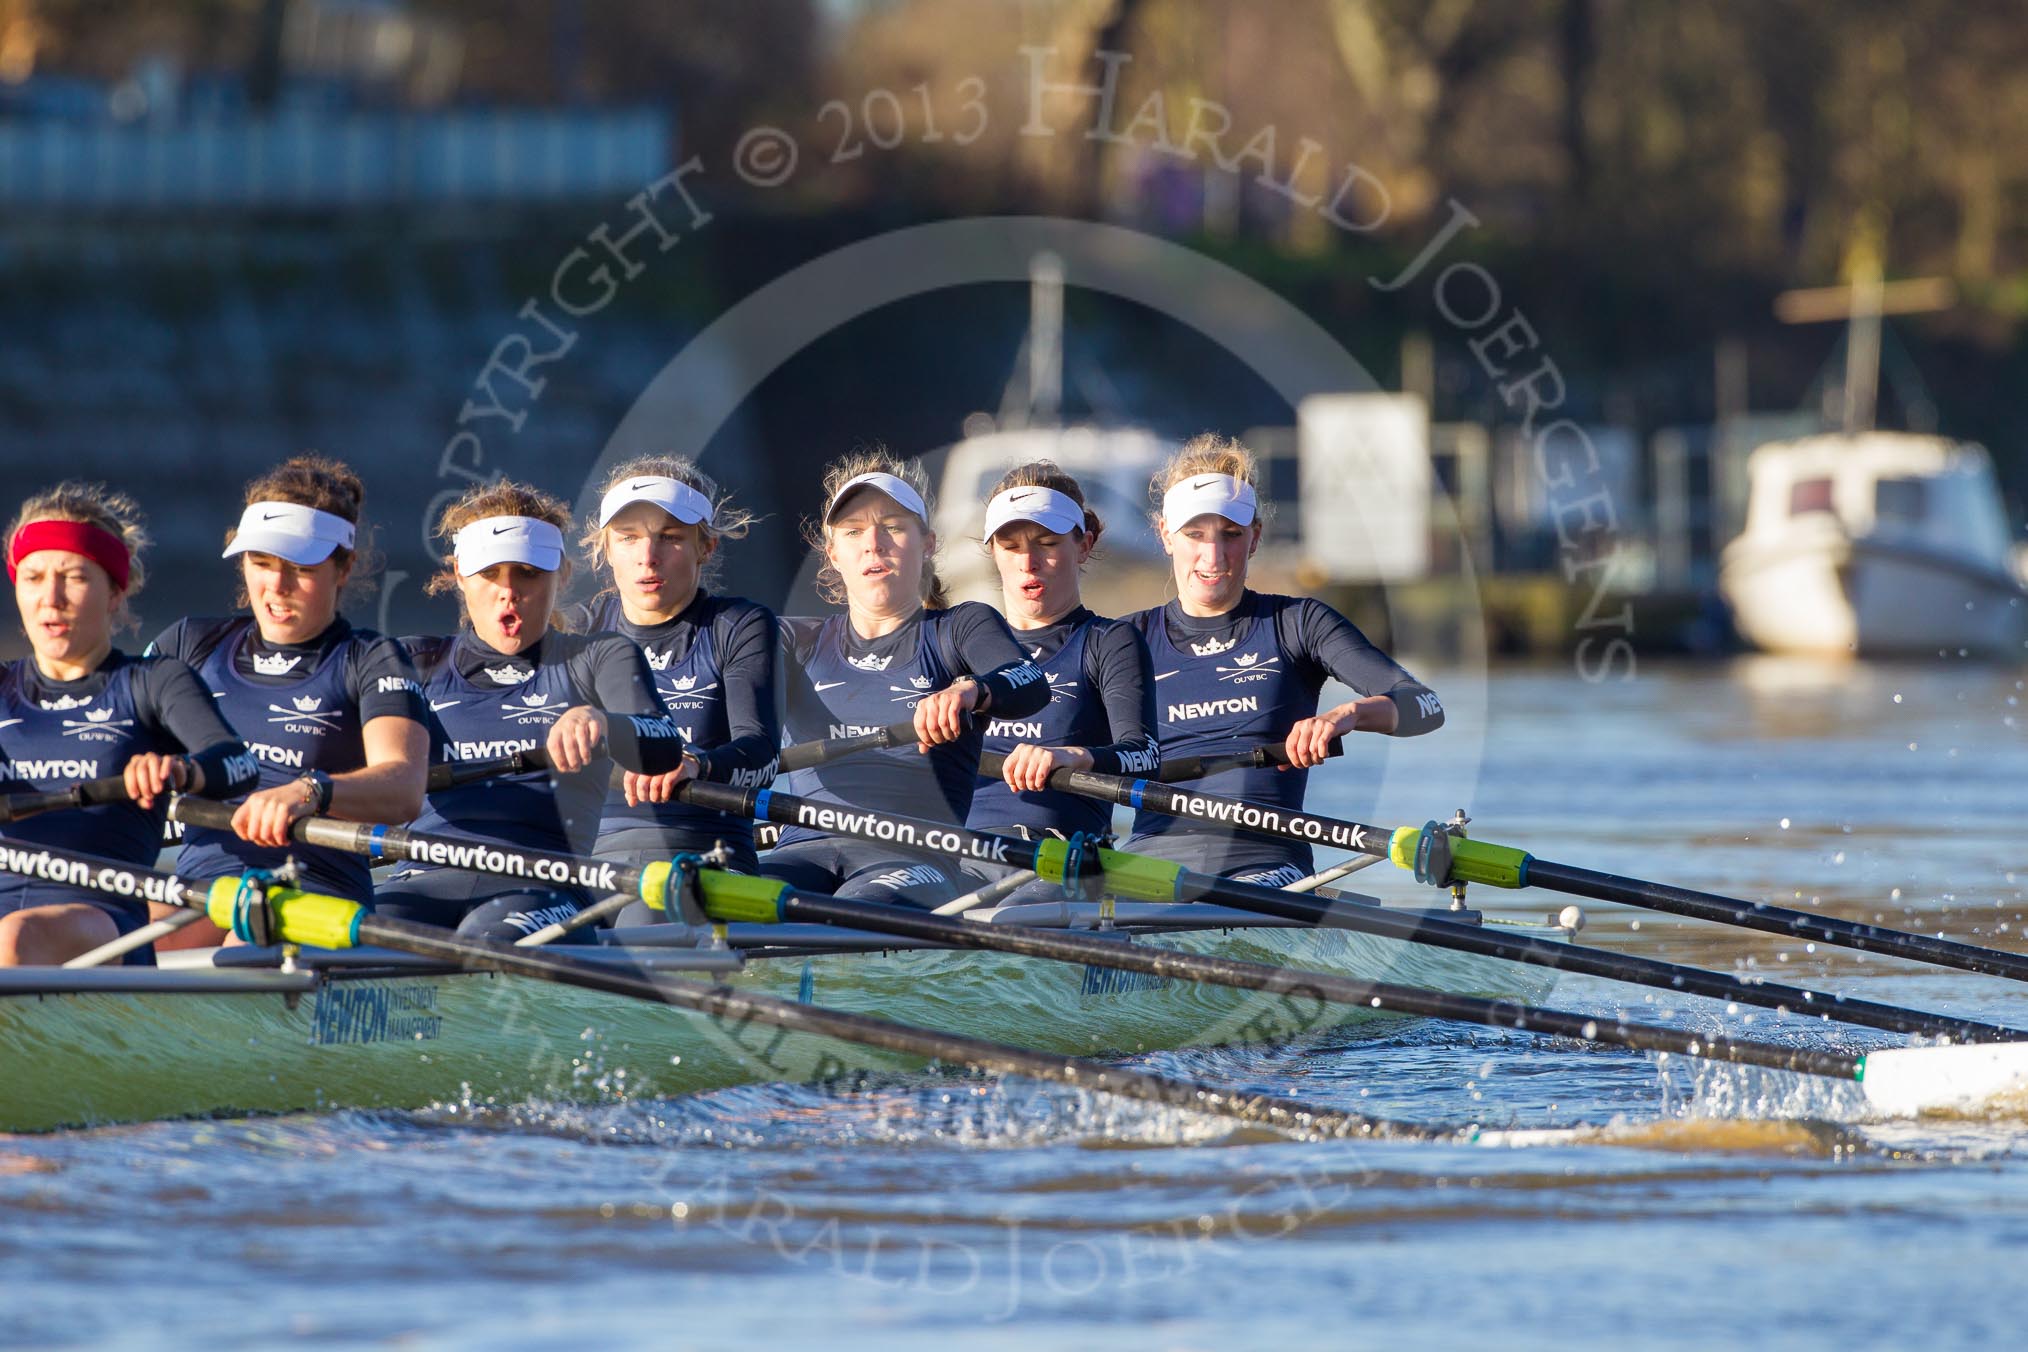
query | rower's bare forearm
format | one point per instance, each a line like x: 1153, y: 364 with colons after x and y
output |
x: 391, y: 793
x: 1369, y: 713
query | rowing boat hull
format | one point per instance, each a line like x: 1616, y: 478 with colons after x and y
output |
x: 224, y: 1042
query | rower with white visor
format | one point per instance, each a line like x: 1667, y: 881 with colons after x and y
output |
x: 1101, y: 712
x: 1235, y: 668
x: 655, y: 540
x: 332, y: 712
x: 897, y: 651
x: 508, y: 681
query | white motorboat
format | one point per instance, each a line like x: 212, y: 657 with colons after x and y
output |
x: 1880, y: 543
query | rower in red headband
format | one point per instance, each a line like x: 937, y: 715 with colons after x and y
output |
x: 80, y: 709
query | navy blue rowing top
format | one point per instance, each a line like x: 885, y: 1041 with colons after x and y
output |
x: 1100, y: 698
x: 840, y: 685
x: 55, y: 733
x: 714, y: 669
x: 306, y: 718
x: 1232, y: 682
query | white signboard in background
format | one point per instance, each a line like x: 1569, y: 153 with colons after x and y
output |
x: 1365, y: 480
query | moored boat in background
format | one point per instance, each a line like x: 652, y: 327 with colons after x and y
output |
x: 1880, y: 543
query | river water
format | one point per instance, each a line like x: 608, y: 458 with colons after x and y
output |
x: 1685, y: 1207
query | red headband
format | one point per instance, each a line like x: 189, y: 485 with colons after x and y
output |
x: 99, y: 545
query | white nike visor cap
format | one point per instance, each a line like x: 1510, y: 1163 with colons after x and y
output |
x: 507, y: 539
x: 289, y: 530
x: 673, y: 496
x: 1046, y: 507
x: 894, y: 487
x: 1209, y: 495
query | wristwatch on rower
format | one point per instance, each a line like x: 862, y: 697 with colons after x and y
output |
x: 316, y: 790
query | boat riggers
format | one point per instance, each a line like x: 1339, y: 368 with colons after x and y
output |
x: 1437, y: 856
x: 256, y: 908
x: 1135, y: 877
x: 306, y: 918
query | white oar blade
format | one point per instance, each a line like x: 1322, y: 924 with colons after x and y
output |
x: 1905, y: 1081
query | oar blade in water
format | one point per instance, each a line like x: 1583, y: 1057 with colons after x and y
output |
x: 1906, y: 1081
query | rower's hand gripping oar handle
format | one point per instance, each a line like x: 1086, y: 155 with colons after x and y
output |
x: 1433, y: 853
x: 1268, y: 755
x: 113, y: 788
x: 804, y: 755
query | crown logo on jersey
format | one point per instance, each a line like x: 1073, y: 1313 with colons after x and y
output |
x: 870, y: 662
x: 96, y: 726
x: 919, y: 682
x: 682, y: 683
x: 1248, y: 667
x: 1212, y: 647
x: 660, y: 661
x: 276, y: 664
x: 509, y: 675
x: 535, y: 707
x: 67, y: 701
x: 307, y: 715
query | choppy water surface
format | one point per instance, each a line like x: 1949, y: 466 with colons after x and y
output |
x: 1690, y: 1207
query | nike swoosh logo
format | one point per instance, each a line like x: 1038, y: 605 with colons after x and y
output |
x: 1205, y: 483
x: 640, y: 484
x: 821, y: 686
x: 273, y: 516
x: 1023, y: 496
x: 502, y: 530
x: 437, y: 704
x: 1165, y: 675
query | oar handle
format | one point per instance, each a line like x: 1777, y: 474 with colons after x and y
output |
x: 455, y: 774
x: 1135, y: 793
x: 1268, y: 755
x: 88, y: 793
x: 204, y: 812
x: 1085, y: 783
x: 804, y: 755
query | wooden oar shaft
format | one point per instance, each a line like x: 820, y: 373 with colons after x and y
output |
x: 936, y: 838
x: 1318, y: 829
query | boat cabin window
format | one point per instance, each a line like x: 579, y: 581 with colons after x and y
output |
x: 1900, y: 500
x: 1809, y: 495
